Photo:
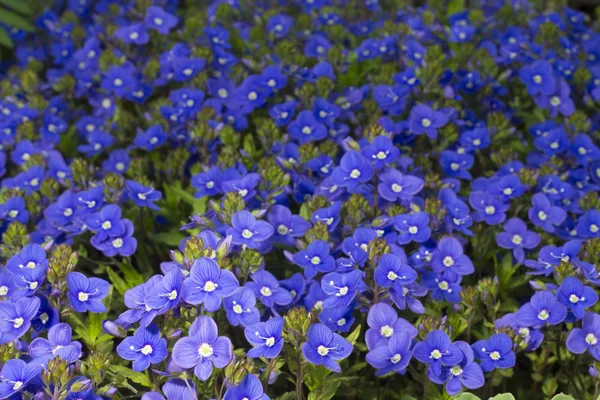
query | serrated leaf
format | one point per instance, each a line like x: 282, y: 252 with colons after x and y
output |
x: 15, y: 20
x: 18, y: 5
x: 137, y: 377
x: 131, y: 275
x: 5, y: 39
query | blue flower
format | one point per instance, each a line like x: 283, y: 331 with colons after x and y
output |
x: 133, y: 34
x: 266, y: 338
x: 151, y: 138
x: 516, y: 237
x: 203, y: 348
x: 443, y: 286
x: 450, y: 259
x: 117, y: 162
x: 437, y: 350
x: 246, y: 230
x: 575, y: 296
x: 324, y: 347
x: 166, y: 293
x: 160, y: 20
x: 531, y: 337
x: 143, y: 196
x: 86, y: 294
x: 495, y: 352
x: 544, y: 214
x: 134, y: 299
x: 586, y: 338
x: 249, y: 388
x: 487, y: 208
x: 207, y: 284
x: 106, y: 223
x: 392, y: 272
x: 423, y: 119
x: 396, y: 186
x: 338, y: 318
x: 341, y: 288
x: 412, y: 227
x: 280, y: 25
x: 15, y: 375
x: 16, y: 317
x: 467, y: 373
x: 538, y: 77
x: 542, y: 309
x: 315, y: 258
x: 305, y: 128
x: 145, y: 347
x: 354, y: 169
x: 392, y: 356
x: 384, y: 324
x: 122, y: 243
x: 283, y: 113
x: 32, y: 256
x: 287, y: 226
x: 14, y: 209
x: 240, y: 307
x: 58, y: 344
x: 266, y: 287
x: 588, y: 224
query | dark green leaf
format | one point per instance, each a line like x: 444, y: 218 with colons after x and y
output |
x: 15, y: 20
x: 18, y: 5
x: 137, y: 377
x: 5, y: 39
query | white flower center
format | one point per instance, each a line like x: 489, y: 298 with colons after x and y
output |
x: 3, y: 290
x: 591, y: 339
x: 205, y: 350
x: 435, y: 354
x: 246, y: 234
x: 448, y: 261
x: 544, y: 315
x: 266, y: 291
x: 573, y: 298
x: 17, y: 385
x: 172, y: 295
x: 147, y: 349
x: 315, y: 260
x: 542, y: 215
x: 386, y: 331
x: 426, y: 123
x: 381, y: 155
x: 117, y: 243
x: 396, y: 358
x: 238, y: 309
x: 537, y: 79
x: 354, y: 174
x: 593, y: 228
x: 489, y: 210
x: 18, y: 322
x: 82, y: 296
x: 106, y: 225
x: 494, y: 355
x: 341, y: 322
x: 392, y: 276
x: 322, y: 350
x: 270, y: 341
x: 210, y: 286
x: 396, y: 188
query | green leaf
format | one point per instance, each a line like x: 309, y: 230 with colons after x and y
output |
x: 5, y: 39
x: 18, y: 5
x: 467, y: 396
x: 172, y: 238
x: 562, y: 396
x: 132, y: 276
x: 353, y: 337
x: 15, y: 20
x: 504, y: 396
x: 287, y: 396
x: 117, y: 281
x: 455, y: 6
x: 137, y: 377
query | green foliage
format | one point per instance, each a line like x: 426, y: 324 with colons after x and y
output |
x: 15, y: 14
